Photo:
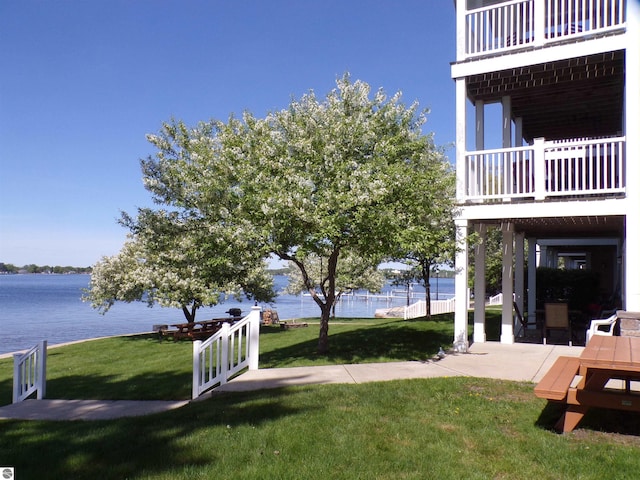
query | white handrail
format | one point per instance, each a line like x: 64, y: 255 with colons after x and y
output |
x: 30, y: 373
x: 232, y: 349
x: 496, y: 299
x: 520, y: 23
x: 419, y: 309
x: 569, y: 167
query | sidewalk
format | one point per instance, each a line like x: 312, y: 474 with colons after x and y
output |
x: 517, y: 362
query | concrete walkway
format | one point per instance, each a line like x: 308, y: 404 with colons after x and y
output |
x: 518, y: 362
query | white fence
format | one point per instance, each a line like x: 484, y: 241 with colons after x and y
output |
x: 29, y: 373
x: 496, y: 299
x: 521, y: 23
x: 559, y: 168
x: 419, y: 309
x: 232, y: 349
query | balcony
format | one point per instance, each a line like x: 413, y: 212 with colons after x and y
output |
x: 509, y: 25
x: 576, y: 168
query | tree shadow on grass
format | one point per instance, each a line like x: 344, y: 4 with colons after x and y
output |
x: 146, y: 386
x: 391, y: 342
x: 139, y: 446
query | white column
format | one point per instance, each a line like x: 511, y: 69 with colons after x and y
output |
x: 480, y: 288
x: 539, y: 186
x: 460, y: 339
x: 506, y: 335
x: 531, y: 279
x: 506, y: 122
x: 254, y: 337
x: 461, y: 36
x: 506, y: 143
x: 632, y: 127
x: 518, y: 132
x: 461, y: 142
x: 538, y: 26
x: 479, y: 125
x: 519, y: 271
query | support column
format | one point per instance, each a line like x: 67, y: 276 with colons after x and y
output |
x: 518, y: 133
x: 519, y: 272
x: 479, y: 125
x: 531, y: 279
x: 543, y: 256
x: 480, y: 288
x: 506, y: 143
x: 506, y: 335
x: 461, y: 335
x: 461, y: 141
x: 632, y: 127
x: 506, y: 122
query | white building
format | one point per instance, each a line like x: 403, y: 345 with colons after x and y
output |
x: 565, y: 75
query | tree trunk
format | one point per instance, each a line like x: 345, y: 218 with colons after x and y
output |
x: 323, y: 338
x: 190, y: 315
x: 426, y: 270
x: 330, y: 300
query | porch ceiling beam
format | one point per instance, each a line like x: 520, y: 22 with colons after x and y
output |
x: 605, y: 207
x: 554, y: 52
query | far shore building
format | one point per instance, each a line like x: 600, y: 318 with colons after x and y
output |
x: 564, y: 179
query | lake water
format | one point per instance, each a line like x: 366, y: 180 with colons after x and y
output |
x: 49, y: 307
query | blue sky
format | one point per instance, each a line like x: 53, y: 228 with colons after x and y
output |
x: 83, y: 82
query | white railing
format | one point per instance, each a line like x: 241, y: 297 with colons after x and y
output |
x: 500, y: 173
x: 498, y: 27
x: 232, y: 349
x: 29, y: 373
x: 585, y: 166
x: 419, y: 309
x: 521, y: 23
x: 496, y: 299
x: 415, y: 310
x: 568, y: 168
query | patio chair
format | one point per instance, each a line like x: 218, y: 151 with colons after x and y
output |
x: 602, y: 326
x: 556, y: 317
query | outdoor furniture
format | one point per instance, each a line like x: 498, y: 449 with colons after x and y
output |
x: 556, y: 317
x: 603, y: 377
x: 196, y: 330
x: 602, y: 326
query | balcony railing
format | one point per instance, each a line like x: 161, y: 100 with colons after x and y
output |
x: 577, y: 167
x: 521, y: 23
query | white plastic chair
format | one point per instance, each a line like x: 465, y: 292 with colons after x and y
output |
x: 608, y: 323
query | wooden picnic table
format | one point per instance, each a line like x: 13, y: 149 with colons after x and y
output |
x: 197, y: 330
x: 601, y: 377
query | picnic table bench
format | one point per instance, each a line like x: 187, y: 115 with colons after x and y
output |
x: 555, y: 384
x: 196, y: 330
x: 601, y: 377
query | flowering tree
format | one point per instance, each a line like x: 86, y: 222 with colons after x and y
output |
x: 196, y: 251
x: 321, y: 179
x: 326, y: 176
x: 177, y: 270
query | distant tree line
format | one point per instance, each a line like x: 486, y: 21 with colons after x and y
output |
x: 6, y: 268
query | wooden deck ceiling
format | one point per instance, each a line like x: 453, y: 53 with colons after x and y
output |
x: 590, y: 226
x: 573, y: 98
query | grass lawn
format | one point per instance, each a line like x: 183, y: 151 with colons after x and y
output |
x: 413, y: 429
x: 142, y: 368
